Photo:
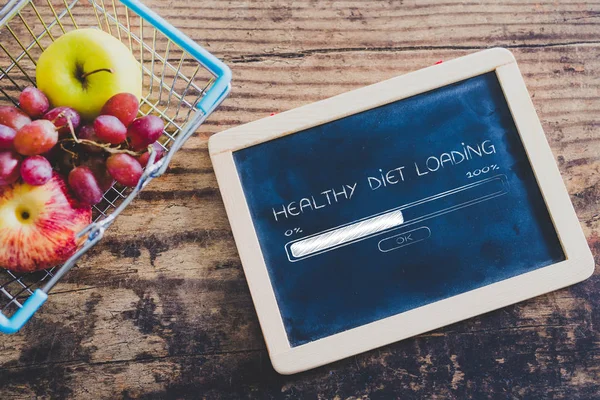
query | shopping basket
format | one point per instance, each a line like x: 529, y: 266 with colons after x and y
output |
x: 183, y: 84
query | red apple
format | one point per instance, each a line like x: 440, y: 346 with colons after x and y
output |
x: 38, y: 225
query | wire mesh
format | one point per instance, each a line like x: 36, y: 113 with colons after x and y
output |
x: 173, y: 83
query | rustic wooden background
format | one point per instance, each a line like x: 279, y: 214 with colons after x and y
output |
x: 161, y: 308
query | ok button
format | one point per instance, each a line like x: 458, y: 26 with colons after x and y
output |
x: 404, y: 239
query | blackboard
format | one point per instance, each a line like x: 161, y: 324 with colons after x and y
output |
x: 396, y: 207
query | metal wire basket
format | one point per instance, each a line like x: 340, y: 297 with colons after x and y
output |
x: 183, y: 84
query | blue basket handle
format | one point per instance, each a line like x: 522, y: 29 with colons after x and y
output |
x: 20, y: 318
x: 221, y: 71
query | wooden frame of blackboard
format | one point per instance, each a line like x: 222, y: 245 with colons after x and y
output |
x: 579, y: 263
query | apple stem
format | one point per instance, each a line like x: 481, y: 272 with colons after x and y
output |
x: 85, y: 75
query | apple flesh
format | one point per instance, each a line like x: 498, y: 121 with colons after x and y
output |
x: 84, y: 68
x: 38, y: 225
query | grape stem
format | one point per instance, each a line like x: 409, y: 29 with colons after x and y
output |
x: 73, y: 154
x: 105, y: 146
x: 60, y: 115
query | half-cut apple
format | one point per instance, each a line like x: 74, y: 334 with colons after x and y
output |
x: 38, y: 225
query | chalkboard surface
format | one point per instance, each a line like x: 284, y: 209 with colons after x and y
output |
x: 394, y: 208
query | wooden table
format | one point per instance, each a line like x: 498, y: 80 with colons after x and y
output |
x: 161, y: 308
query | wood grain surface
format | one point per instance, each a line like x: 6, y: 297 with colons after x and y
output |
x: 160, y: 309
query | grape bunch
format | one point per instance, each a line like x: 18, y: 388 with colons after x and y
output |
x: 37, y: 141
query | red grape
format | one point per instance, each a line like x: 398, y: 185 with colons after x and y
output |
x: 7, y: 135
x: 85, y: 186
x: 145, y: 131
x: 158, y: 149
x: 36, y: 138
x: 33, y: 102
x: 36, y: 170
x: 124, y: 106
x: 124, y: 168
x: 98, y: 166
x: 59, y: 117
x: 9, y: 167
x: 62, y: 160
x: 87, y: 132
x: 109, y: 129
x: 13, y: 117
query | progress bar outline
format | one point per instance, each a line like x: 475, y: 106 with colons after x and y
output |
x: 394, y: 211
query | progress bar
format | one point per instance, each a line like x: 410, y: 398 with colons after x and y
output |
x: 347, y: 234
x: 417, y: 211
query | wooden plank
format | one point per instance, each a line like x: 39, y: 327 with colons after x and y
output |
x: 518, y: 363
x: 250, y: 30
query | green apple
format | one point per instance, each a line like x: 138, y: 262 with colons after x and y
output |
x: 84, y: 68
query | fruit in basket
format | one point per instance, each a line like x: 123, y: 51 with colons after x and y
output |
x: 110, y: 129
x: 33, y: 102
x: 7, y: 135
x: 40, y: 212
x: 35, y: 138
x: 13, y: 117
x: 36, y: 170
x: 87, y: 132
x: 124, y: 106
x: 38, y: 225
x: 84, y: 68
x: 10, y: 163
x: 158, y: 149
x: 85, y: 186
x: 60, y: 116
x: 98, y: 166
x: 125, y: 169
x: 61, y: 160
x: 145, y: 131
